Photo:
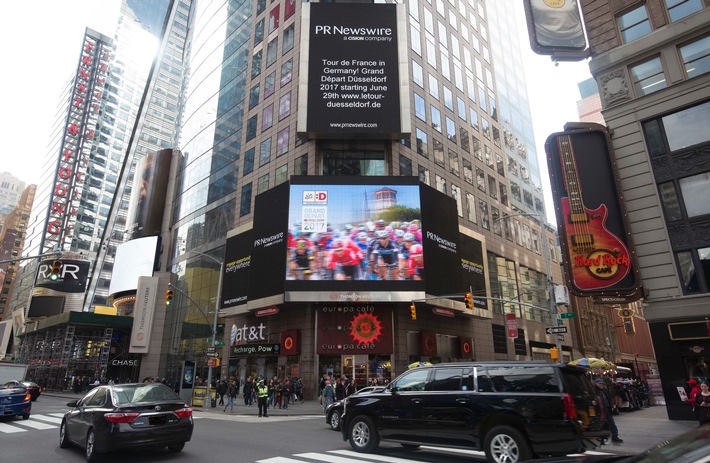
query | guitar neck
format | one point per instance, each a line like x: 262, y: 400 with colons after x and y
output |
x: 571, y: 177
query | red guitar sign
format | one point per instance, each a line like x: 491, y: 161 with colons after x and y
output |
x: 598, y: 258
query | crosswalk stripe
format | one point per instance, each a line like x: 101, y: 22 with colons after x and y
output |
x: 8, y: 429
x: 35, y: 424
x: 371, y: 456
x: 47, y: 418
x: 279, y: 460
x: 332, y: 458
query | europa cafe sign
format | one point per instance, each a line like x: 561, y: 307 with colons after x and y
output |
x: 89, y: 85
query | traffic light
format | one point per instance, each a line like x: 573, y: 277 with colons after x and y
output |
x: 413, y: 312
x: 554, y: 353
x: 56, y: 270
x: 168, y: 296
x: 468, y: 297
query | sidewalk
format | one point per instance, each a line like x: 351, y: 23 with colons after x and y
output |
x: 644, y: 428
x: 308, y: 407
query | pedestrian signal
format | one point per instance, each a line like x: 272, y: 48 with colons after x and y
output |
x: 413, y: 312
x: 56, y: 270
x: 168, y: 297
x: 469, y: 300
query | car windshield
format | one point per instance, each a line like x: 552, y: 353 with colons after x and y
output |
x: 142, y: 393
x: 681, y: 447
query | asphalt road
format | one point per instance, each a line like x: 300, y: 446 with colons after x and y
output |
x: 244, y: 437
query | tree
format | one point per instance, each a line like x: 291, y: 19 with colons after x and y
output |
x: 399, y: 213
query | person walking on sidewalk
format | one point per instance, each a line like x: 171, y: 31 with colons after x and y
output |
x: 328, y: 395
x: 248, y: 390
x: 222, y: 390
x: 702, y: 403
x: 606, y: 403
x: 262, y: 397
x: 232, y: 391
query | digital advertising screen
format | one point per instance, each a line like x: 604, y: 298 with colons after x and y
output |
x: 353, y: 71
x: 237, y: 262
x: 368, y: 235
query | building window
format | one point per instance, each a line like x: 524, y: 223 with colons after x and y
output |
x: 634, y: 24
x: 696, y: 57
x: 438, y: 152
x: 254, y: 96
x: 485, y: 219
x: 419, y: 107
x: 682, y: 129
x: 286, y: 72
x: 467, y: 171
x: 456, y: 194
x: 285, y: 106
x: 433, y: 87
x: 259, y: 32
x: 282, y: 141
x: 648, y: 77
x: 495, y: 216
x: 405, y: 166
x: 451, y: 130
x: 422, y: 143
x: 248, y: 161
x: 300, y: 165
x: 265, y: 152
x: 448, y: 98
x: 471, y: 207
x: 480, y: 179
x: 274, y: 18
x: 289, y: 34
x: 417, y: 74
x: 251, y: 128
x: 679, y: 9
x: 256, y: 64
x: 695, y: 191
x: 267, y: 117
x: 436, y: 119
x: 245, y: 205
x: 441, y: 184
x: 271, y: 52
x: 454, y: 162
x: 269, y: 85
x: 263, y: 184
x: 465, y: 141
x: 281, y: 174
x: 423, y: 174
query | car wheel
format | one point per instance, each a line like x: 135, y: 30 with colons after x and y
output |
x: 91, y: 454
x: 411, y: 446
x: 505, y: 444
x: 26, y: 416
x: 64, y: 436
x: 335, y: 420
x: 176, y: 446
x: 363, y: 436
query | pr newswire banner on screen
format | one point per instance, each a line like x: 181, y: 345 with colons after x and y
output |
x: 353, y: 70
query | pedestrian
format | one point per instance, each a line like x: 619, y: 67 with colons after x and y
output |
x: 232, y: 391
x: 339, y: 389
x: 272, y: 391
x: 702, y: 404
x: 694, y: 391
x: 605, y: 401
x: 328, y: 395
x: 262, y: 397
x: 222, y: 390
x: 286, y: 388
x: 299, y: 389
x: 248, y: 390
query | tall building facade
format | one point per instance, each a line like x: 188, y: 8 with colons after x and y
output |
x: 11, y: 188
x: 650, y: 60
x: 470, y: 139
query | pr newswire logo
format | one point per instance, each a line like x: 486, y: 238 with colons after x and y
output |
x: 382, y: 34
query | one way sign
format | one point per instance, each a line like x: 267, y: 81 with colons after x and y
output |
x: 555, y: 329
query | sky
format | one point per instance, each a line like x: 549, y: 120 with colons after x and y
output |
x: 41, y: 42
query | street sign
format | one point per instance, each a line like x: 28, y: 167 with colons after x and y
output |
x: 512, y: 325
x: 211, y: 362
x: 560, y: 337
x: 211, y: 350
x: 555, y: 329
x: 219, y: 343
x: 568, y: 315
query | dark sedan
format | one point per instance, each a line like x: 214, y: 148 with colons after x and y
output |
x: 335, y: 410
x: 691, y: 447
x: 124, y: 416
x: 15, y: 400
x: 33, y: 388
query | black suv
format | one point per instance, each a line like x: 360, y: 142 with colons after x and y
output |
x: 513, y: 410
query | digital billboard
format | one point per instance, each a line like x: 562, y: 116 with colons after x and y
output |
x: 237, y: 262
x: 352, y: 84
x: 366, y: 232
x: 597, y: 250
x: 354, y: 329
x: 473, y: 269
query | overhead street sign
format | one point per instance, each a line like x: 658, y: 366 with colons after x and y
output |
x: 555, y: 329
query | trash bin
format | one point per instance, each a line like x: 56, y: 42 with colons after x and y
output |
x: 213, y: 398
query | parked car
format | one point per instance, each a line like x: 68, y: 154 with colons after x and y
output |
x: 334, y: 410
x: 690, y: 447
x: 126, y: 416
x: 34, y: 389
x: 513, y: 411
x: 15, y: 400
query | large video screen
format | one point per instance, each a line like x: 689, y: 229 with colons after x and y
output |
x: 355, y: 232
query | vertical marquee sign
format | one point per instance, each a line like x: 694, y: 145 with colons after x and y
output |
x: 597, y: 248
x: 87, y: 91
x: 354, y: 76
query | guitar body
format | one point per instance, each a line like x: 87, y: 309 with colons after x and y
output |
x: 598, y: 258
